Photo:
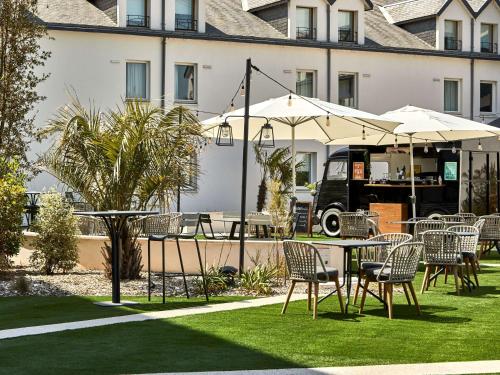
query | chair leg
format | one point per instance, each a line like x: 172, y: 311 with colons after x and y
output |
x: 379, y: 290
x: 358, y: 286
x: 315, y: 306
x: 445, y: 275
x: 182, y: 267
x: 149, y: 270
x: 461, y: 276
x: 473, y: 267
x: 309, y: 293
x: 363, y: 296
x: 390, y: 291
x: 202, y: 269
x: 467, y: 265
x: 288, y: 296
x: 426, y: 278
x: 455, y: 275
x: 406, y: 294
x: 339, y: 295
x: 163, y: 269
x: 414, y: 295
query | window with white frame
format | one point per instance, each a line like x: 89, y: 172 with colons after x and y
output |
x: 137, y: 80
x: 137, y: 13
x: 185, y: 83
x: 452, y: 39
x: 452, y: 92
x: 306, y: 83
x: 347, y: 26
x: 305, y: 23
x: 487, y: 97
x: 348, y: 90
x: 488, y: 38
x: 305, y: 173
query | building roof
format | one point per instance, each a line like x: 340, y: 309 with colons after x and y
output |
x: 72, y: 12
x: 227, y: 17
x: 379, y: 32
x: 407, y: 10
x: 255, y: 4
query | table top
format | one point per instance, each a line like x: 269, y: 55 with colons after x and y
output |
x: 352, y: 243
x: 114, y: 213
x: 467, y: 234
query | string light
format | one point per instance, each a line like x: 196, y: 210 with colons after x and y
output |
x: 290, y: 100
x: 454, y: 149
x: 231, y: 108
x: 396, y: 142
x: 328, y: 120
x: 363, y: 137
x: 242, y: 90
x: 480, y: 146
x: 426, y: 147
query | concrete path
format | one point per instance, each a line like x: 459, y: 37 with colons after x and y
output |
x: 51, y: 328
x: 443, y: 368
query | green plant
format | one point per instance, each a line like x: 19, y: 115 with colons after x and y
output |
x: 12, y: 201
x: 259, y: 280
x: 21, y: 285
x: 217, y: 282
x: 134, y: 157
x: 278, y: 209
x: 56, y: 244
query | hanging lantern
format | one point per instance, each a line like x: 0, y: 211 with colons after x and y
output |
x: 266, y: 136
x: 225, y: 135
x: 454, y: 149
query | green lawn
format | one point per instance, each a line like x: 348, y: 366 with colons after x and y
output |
x: 492, y: 257
x: 451, y: 328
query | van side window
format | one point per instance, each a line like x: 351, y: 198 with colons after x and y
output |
x: 337, y: 170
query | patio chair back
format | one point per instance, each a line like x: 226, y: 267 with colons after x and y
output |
x: 159, y: 225
x: 206, y: 227
x: 468, y: 218
x: 303, y: 261
x: 442, y: 247
x: 259, y: 218
x: 401, y: 264
x: 491, y: 228
x: 372, y: 215
x: 425, y: 225
x: 479, y: 224
x: 468, y: 244
x: 354, y: 225
x: 92, y: 226
x: 451, y: 218
x: 380, y: 253
x: 190, y: 224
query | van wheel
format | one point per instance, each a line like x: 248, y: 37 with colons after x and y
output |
x: 330, y: 222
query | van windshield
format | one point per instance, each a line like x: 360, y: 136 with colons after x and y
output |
x: 337, y: 170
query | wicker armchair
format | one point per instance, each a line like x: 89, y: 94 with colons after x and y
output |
x: 354, y: 225
x: 305, y: 265
x: 374, y: 257
x: 442, y: 250
x: 400, y: 267
x: 468, y: 247
x: 425, y: 225
x: 92, y: 226
x: 451, y: 218
x: 490, y: 234
x: 468, y: 218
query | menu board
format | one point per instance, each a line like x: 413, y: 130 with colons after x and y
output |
x: 450, y: 171
x: 304, y: 221
x: 358, y: 170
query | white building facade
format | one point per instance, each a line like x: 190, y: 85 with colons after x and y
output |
x: 375, y: 56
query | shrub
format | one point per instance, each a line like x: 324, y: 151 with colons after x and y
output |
x: 21, y: 285
x: 57, y: 227
x: 259, y: 280
x: 217, y: 281
x: 12, y: 202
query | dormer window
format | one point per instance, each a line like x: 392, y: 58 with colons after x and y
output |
x: 347, y: 27
x: 305, y: 23
x: 137, y: 15
x: 452, y: 40
x: 488, y: 44
x: 185, y: 11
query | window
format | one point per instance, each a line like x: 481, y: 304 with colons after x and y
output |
x: 137, y: 80
x: 185, y: 82
x: 305, y: 23
x: 486, y: 97
x: 451, y: 95
x: 348, y: 90
x: 488, y: 44
x: 137, y: 13
x: 304, y: 173
x: 185, y: 15
x: 337, y: 170
x: 347, y: 27
x: 305, y: 85
x: 451, y: 36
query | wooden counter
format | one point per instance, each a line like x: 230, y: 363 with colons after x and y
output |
x: 390, y: 212
x: 406, y: 186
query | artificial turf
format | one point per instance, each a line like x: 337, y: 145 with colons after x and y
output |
x: 451, y: 328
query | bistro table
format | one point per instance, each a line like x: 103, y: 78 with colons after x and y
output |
x: 115, y: 222
x: 236, y: 221
x: 348, y: 246
x: 31, y: 207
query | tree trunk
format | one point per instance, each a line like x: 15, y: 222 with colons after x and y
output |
x: 261, y: 196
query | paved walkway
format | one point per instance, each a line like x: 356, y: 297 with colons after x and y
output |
x: 51, y: 328
x: 443, y: 368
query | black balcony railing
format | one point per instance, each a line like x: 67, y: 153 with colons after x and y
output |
x: 186, y: 23
x: 137, y: 21
x: 348, y: 36
x: 489, y: 47
x: 306, y: 33
x: 452, y: 44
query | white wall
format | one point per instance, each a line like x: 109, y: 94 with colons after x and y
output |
x: 456, y: 11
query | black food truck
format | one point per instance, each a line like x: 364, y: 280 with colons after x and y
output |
x: 357, y: 177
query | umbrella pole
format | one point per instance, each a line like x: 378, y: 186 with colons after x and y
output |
x: 413, y: 197
x: 294, y: 176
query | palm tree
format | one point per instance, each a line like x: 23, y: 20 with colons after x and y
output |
x: 130, y: 158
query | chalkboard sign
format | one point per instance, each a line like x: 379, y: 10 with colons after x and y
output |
x: 304, y: 221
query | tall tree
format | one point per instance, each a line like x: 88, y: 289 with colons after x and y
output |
x: 20, y: 60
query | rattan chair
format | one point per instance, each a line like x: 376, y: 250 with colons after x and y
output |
x: 354, y: 225
x: 442, y: 250
x: 468, y: 247
x: 451, y: 218
x: 468, y: 218
x: 305, y: 265
x: 92, y: 226
x: 425, y: 225
x: 490, y: 234
x: 374, y: 257
x: 400, y: 267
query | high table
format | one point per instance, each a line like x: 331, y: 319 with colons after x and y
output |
x: 348, y: 246
x: 235, y: 222
x: 115, y: 221
x: 31, y: 207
